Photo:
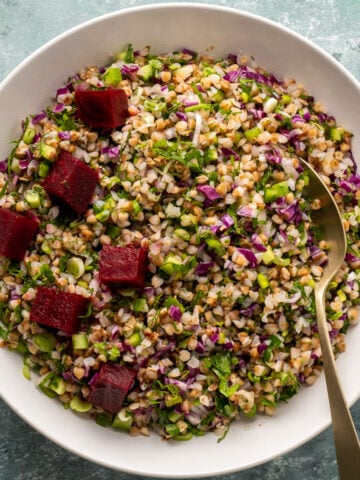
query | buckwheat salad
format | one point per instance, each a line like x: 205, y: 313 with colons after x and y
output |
x: 202, y: 174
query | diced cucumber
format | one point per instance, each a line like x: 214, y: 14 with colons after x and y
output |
x: 80, y: 341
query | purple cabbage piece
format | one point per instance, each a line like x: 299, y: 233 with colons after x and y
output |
x: 229, y: 152
x: 298, y: 118
x: 274, y: 156
x: 248, y: 311
x: 175, y: 313
x: 187, y: 51
x: 210, y: 193
x: 246, y: 72
x: 262, y: 347
x: 257, y: 243
x: 129, y: 69
x: 289, y: 212
x: 249, y: 255
x: 353, y: 259
x: 202, y: 269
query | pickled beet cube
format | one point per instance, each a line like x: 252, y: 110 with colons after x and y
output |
x: 102, y: 108
x: 123, y: 266
x: 57, y: 309
x: 16, y: 232
x: 71, y: 182
x: 110, y: 386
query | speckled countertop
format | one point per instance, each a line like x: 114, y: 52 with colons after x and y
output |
x: 24, y: 26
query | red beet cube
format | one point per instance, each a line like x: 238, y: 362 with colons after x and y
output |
x: 57, y: 309
x: 110, y: 386
x: 72, y: 182
x: 123, y: 266
x: 16, y: 232
x: 102, y: 108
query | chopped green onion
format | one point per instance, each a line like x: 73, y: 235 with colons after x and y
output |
x: 140, y: 305
x: 47, y: 151
x: 57, y: 384
x: 43, y: 169
x: 216, y: 245
x: 45, y: 342
x: 33, y: 198
x: 79, y: 405
x: 75, y: 267
x: 145, y: 72
x: 123, y: 420
x: 29, y: 135
x: 112, y: 76
x: 135, y: 339
x: 26, y: 371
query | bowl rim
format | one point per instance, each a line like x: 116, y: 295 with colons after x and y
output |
x: 123, y: 12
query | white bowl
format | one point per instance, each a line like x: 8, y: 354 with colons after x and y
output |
x: 217, y: 31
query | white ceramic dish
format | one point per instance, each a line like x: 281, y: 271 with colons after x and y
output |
x: 217, y: 31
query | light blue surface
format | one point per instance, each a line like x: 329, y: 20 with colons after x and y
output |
x: 25, y: 26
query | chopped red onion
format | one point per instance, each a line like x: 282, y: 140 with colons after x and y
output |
x: 227, y: 220
x: 37, y: 118
x: 64, y: 135
x: 246, y: 211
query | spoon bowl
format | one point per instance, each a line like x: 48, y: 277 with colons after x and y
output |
x: 329, y: 219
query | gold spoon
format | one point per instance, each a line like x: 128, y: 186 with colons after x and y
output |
x: 328, y: 218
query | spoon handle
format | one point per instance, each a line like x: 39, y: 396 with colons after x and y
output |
x: 346, y: 440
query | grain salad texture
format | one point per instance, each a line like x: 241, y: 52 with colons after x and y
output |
x: 203, y: 176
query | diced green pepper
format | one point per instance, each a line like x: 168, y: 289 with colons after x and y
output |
x: 183, y: 437
x: 135, y: 339
x: 281, y: 262
x: 263, y: 280
x: 252, y: 133
x: 276, y: 191
x: 336, y: 134
x: 268, y: 256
